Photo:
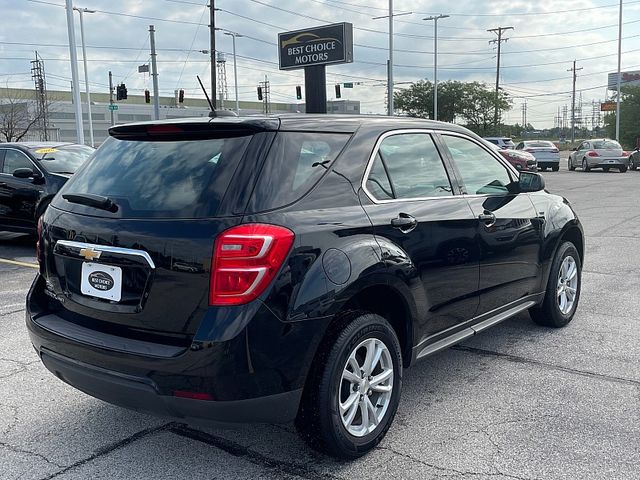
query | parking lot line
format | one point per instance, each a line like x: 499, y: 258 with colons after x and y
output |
x: 22, y: 264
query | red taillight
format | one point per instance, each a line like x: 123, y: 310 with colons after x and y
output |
x: 39, y: 252
x: 593, y: 154
x: 245, y: 260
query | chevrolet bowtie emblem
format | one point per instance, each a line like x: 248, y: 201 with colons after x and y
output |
x: 90, y: 253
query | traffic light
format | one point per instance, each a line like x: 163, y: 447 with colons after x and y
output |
x: 338, y: 95
x: 147, y: 96
x: 299, y: 92
x: 260, y: 93
x: 181, y: 96
x: 121, y: 92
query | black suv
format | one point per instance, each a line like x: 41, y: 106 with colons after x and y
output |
x: 290, y: 268
x: 30, y: 175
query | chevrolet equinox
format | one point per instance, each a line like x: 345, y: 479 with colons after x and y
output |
x: 289, y: 268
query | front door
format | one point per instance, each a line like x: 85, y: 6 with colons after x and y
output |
x: 426, y: 232
x: 18, y: 196
x: 509, y: 230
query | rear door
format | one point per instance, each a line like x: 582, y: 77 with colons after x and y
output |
x: 424, y: 228
x: 508, y: 227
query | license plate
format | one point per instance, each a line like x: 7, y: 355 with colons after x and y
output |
x: 102, y: 281
x: 611, y: 161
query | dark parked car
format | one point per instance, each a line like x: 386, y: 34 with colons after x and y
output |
x: 520, y: 159
x: 634, y: 159
x: 30, y: 175
x: 290, y: 268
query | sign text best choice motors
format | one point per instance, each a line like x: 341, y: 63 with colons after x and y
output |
x: 312, y: 52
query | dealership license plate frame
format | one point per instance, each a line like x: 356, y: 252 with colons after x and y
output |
x: 114, y: 293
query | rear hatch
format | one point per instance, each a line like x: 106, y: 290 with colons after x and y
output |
x: 543, y: 150
x: 129, y: 239
x: 608, y: 148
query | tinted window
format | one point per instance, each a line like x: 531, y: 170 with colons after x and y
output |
x: 63, y: 159
x: 408, y: 166
x: 480, y: 171
x: 179, y: 179
x: 13, y: 159
x: 295, y: 163
x: 540, y: 144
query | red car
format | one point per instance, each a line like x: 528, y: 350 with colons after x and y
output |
x: 523, y: 161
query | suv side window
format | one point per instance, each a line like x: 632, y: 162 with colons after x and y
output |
x: 408, y: 166
x: 13, y: 159
x: 481, y: 173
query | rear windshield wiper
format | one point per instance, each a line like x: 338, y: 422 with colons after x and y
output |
x: 91, y: 200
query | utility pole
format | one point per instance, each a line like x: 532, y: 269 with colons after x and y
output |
x: 619, y: 73
x: 111, y: 97
x: 573, y: 101
x: 235, y: 66
x: 390, y: 107
x: 82, y: 11
x: 435, y: 61
x: 524, y: 117
x: 498, y: 31
x: 266, y: 90
x: 154, y: 73
x: 74, y: 73
x: 212, y: 49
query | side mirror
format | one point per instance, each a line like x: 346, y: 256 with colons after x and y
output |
x: 23, y: 173
x: 27, y: 173
x: 574, y: 149
x: 531, y: 182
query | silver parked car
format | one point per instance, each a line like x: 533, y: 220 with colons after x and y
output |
x: 546, y: 153
x: 503, y: 142
x: 603, y: 153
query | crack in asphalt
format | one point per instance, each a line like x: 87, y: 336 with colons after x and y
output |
x: 16, y: 449
x: 518, y: 359
x: 449, y: 472
x: 254, y: 457
x: 12, y: 312
x: 110, y: 448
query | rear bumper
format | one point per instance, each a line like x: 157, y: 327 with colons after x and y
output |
x: 140, y: 394
x: 596, y: 162
x: 548, y: 163
x: 256, y: 376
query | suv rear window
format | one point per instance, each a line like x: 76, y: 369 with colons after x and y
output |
x: 172, y: 179
x: 296, y: 162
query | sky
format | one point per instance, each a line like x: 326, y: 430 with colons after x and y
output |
x: 546, y: 37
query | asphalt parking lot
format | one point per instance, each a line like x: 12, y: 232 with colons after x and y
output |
x: 519, y: 401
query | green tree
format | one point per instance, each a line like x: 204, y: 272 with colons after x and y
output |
x: 471, y: 103
x: 629, y: 117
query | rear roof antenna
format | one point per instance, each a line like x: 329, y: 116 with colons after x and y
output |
x: 213, y: 109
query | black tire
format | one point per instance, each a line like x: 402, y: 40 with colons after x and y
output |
x: 585, y: 165
x: 623, y: 169
x: 570, y: 165
x: 319, y: 421
x: 633, y: 166
x: 555, y: 169
x: 548, y: 313
x: 605, y: 169
x: 543, y: 169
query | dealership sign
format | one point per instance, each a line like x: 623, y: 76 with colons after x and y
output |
x: 626, y: 79
x: 608, y: 106
x: 316, y: 46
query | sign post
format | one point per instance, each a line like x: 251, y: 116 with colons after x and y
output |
x: 313, y: 49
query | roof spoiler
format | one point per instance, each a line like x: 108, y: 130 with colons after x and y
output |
x: 215, y: 113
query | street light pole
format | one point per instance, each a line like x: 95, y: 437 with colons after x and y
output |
x: 233, y: 35
x: 74, y: 73
x: 619, y: 73
x: 435, y: 61
x: 390, y: 61
x: 82, y: 11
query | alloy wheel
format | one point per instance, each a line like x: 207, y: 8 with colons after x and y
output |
x: 567, y: 285
x: 366, y: 386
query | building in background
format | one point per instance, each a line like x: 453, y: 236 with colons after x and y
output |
x: 61, y: 116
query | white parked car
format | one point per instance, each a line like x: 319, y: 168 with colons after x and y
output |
x: 504, y: 143
x: 546, y: 153
x: 602, y: 153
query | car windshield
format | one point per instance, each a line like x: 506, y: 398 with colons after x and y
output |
x: 63, y: 159
x: 606, y: 145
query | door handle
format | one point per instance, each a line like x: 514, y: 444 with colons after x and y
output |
x: 488, y: 218
x: 404, y: 222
